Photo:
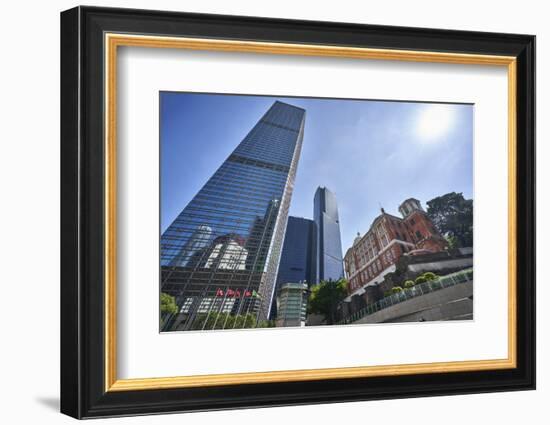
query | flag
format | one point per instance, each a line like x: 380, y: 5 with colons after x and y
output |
x: 219, y: 293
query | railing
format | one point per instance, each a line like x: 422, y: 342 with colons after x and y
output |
x: 462, y: 276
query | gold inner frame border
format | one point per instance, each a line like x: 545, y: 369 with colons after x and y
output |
x: 113, y: 40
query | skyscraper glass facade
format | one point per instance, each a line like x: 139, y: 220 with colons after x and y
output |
x: 329, y: 243
x: 299, y: 256
x: 221, y: 253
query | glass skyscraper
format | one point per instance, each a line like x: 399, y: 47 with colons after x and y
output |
x: 329, y: 243
x: 299, y: 256
x: 222, y: 252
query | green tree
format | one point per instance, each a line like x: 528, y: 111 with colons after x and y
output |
x: 266, y: 324
x: 452, y: 215
x: 168, y: 304
x: 325, y: 296
x: 209, y: 321
x: 452, y: 241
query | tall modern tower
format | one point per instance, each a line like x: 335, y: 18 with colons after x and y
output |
x: 222, y: 252
x: 299, y: 256
x: 329, y: 244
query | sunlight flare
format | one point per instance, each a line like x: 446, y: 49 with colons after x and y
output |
x: 434, y: 122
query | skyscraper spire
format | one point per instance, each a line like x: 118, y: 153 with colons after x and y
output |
x: 329, y: 243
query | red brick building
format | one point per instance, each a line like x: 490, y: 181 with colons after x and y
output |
x: 375, y: 254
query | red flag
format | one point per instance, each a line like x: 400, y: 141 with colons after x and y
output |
x: 219, y: 293
x: 247, y: 293
x: 230, y: 292
x: 237, y: 293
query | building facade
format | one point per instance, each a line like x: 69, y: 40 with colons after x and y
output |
x: 329, y: 242
x: 221, y: 253
x: 299, y: 256
x: 292, y: 304
x: 376, y: 253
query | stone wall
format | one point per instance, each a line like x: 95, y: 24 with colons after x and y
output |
x: 452, y: 303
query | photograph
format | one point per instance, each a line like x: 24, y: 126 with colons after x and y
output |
x: 298, y: 211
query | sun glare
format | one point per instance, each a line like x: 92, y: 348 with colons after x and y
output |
x: 434, y: 123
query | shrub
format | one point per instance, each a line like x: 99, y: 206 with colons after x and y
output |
x: 408, y: 284
x: 430, y: 276
x: 419, y: 280
x: 266, y: 324
x: 168, y: 304
x: 396, y: 289
x: 387, y: 293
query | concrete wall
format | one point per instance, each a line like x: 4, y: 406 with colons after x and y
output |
x: 453, y: 303
x: 435, y: 266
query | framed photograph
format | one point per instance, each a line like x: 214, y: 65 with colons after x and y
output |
x: 261, y: 212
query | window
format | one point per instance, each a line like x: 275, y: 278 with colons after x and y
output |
x: 228, y: 305
x: 186, y: 305
x: 205, y: 305
x: 418, y: 235
x: 371, y: 247
x: 382, y: 235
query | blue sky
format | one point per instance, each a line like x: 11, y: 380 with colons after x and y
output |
x: 369, y: 153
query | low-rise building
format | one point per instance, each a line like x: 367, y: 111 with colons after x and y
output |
x: 389, y: 237
x: 292, y: 304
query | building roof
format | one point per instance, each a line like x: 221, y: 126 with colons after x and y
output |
x: 408, y: 199
x: 376, y: 219
x: 293, y: 285
x: 288, y: 104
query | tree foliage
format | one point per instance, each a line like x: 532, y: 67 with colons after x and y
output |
x: 216, y: 320
x: 266, y: 324
x: 168, y: 304
x: 452, y: 241
x: 209, y: 321
x: 452, y: 215
x: 325, y: 296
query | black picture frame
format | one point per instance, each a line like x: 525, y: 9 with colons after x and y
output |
x: 83, y: 392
